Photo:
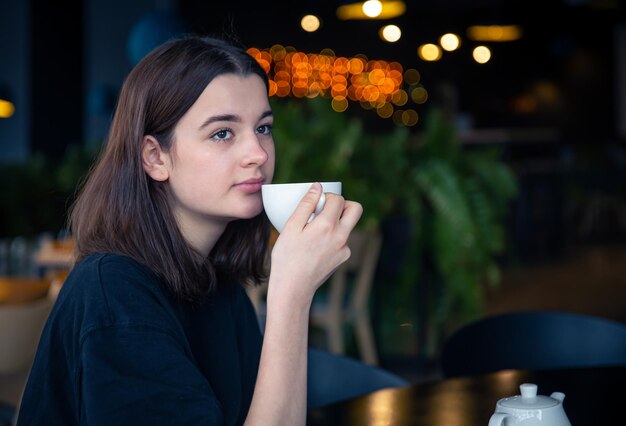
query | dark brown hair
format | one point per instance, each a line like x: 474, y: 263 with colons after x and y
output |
x: 120, y: 209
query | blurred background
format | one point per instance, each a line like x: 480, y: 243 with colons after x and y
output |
x: 485, y: 139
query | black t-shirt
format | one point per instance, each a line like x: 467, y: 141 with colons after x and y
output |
x: 117, y: 350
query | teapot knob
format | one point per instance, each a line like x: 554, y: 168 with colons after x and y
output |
x: 529, y: 391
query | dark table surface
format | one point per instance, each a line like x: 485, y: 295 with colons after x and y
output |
x: 593, y: 396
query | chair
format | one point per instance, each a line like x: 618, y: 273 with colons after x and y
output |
x: 346, y: 305
x: 534, y: 340
x: 333, y: 378
x: 20, y: 327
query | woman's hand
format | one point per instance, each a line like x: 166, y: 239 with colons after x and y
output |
x: 306, y: 254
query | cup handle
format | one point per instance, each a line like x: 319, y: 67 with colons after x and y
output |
x: 497, y: 419
x: 318, y: 208
x: 320, y: 204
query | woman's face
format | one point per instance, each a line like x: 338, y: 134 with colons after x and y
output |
x: 222, y: 152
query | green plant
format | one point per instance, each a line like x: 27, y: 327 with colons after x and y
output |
x: 37, y: 192
x: 463, y: 198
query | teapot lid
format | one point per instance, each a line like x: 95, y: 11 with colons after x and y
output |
x: 529, y: 399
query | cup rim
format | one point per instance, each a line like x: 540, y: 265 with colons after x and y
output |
x: 299, y: 183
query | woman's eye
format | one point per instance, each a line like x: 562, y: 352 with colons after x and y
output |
x: 266, y: 129
x: 221, y: 135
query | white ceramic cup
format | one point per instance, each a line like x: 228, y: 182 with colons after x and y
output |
x: 281, y: 199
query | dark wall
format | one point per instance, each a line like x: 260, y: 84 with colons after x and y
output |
x: 14, y: 79
x: 57, y: 75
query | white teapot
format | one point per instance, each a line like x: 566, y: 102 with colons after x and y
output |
x: 530, y: 409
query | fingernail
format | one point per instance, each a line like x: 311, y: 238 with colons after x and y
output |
x: 315, y: 188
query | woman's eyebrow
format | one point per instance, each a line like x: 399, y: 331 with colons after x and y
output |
x: 220, y: 117
x: 230, y: 117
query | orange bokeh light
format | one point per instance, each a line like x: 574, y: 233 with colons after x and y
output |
x: 376, y: 76
x: 253, y: 51
x: 356, y: 66
x: 375, y: 84
x: 300, y: 91
x: 264, y: 64
x: 371, y: 93
x: 282, y: 76
x: 273, y: 88
x: 387, y: 86
x: 298, y: 57
x: 341, y: 65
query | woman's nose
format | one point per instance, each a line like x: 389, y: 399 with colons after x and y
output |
x: 255, y: 152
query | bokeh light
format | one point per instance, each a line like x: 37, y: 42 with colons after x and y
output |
x: 7, y: 109
x: 372, y: 8
x: 378, y: 85
x: 481, y: 54
x: 450, y: 42
x: 278, y: 52
x: 412, y: 76
x: 310, y: 23
x: 429, y: 52
x: 390, y: 33
x: 410, y: 117
x: 339, y: 105
x: 400, y: 98
x: 419, y: 95
x: 497, y: 33
x: 385, y: 110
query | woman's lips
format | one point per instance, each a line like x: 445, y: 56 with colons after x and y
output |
x: 250, y: 185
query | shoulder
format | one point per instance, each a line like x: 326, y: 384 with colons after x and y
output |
x: 115, y: 290
x: 112, y: 266
x: 114, y: 278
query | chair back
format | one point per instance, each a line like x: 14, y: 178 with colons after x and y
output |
x: 534, y: 340
x: 350, y: 304
x: 333, y: 378
x: 20, y: 328
x: 365, y: 249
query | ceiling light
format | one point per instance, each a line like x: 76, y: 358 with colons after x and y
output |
x: 6, y: 108
x: 310, y: 23
x: 494, y: 32
x: 429, y: 52
x: 450, y: 42
x: 388, y: 10
x: 390, y: 33
x: 372, y: 8
x: 481, y: 54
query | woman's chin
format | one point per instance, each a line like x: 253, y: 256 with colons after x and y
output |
x: 251, y: 212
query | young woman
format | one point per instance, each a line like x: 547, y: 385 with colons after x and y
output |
x: 153, y: 325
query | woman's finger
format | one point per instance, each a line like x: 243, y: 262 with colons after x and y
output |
x: 305, y: 208
x: 352, y: 212
x: 333, y: 207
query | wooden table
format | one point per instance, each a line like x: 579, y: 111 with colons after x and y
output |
x: 22, y: 289
x: 593, y: 396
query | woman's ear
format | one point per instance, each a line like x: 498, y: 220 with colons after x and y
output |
x: 154, y: 159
